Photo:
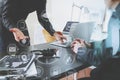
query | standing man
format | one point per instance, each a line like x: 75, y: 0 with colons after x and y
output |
x: 12, y: 12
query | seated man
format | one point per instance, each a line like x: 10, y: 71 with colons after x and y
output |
x: 108, y: 65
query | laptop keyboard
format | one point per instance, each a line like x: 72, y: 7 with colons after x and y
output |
x: 57, y: 43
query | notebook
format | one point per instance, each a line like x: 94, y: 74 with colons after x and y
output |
x: 66, y: 32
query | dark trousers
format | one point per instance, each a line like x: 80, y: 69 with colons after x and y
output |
x: 108, y: 70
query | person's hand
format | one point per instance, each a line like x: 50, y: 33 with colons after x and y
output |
x: 77, y: 43
x: 80, y: 41
x: 59, y: 36
x: 18, y: 35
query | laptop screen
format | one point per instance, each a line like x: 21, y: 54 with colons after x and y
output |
x: 68, y: 26
x: 82, y: 31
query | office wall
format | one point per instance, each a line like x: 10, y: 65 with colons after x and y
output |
x: 59, y: 12
x: 35, y: 29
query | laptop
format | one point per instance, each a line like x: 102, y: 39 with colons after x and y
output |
x: 82, y: 31
x: 66, y: 32
x: 67, y: 27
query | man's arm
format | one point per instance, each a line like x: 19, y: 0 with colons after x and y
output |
x: 8, y: 10
x: 90, y: 56
x: 7, y: 13
x: 42, y: 17
x: 93, y: 56
x: 44, y: 21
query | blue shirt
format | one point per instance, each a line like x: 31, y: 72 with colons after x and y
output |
x: 113, y: 31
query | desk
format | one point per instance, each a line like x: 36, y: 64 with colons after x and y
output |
x: 62, y: 64
x: 65, y: 65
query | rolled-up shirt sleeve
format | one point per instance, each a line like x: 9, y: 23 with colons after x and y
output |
x: 93, y: 56
x: 88, y: 56
x: 6, y: 14
x: 43, y: 19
